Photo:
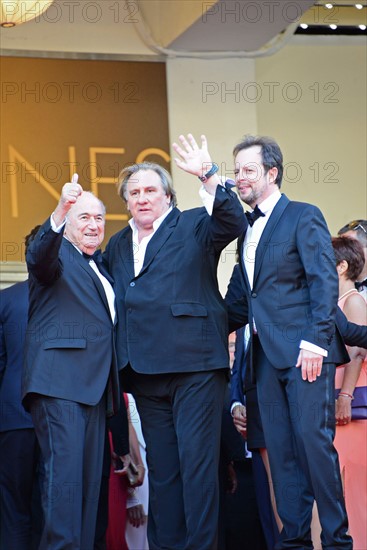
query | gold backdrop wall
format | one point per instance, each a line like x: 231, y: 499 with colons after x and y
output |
x: 64, y: 116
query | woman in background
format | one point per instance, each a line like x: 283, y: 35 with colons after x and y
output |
x: 351, y: 435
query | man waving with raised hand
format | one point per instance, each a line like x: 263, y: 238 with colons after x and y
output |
x: 172, y: 338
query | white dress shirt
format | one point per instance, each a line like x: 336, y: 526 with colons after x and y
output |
x: 139, y: 248
x: 253, y: 234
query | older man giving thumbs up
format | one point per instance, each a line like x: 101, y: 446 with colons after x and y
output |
x: 70, y: 374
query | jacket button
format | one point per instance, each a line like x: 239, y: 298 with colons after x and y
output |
x: 254, y: 295
x: 132, y: 283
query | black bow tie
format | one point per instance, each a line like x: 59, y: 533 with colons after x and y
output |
x: 98, y: 259
x: 254, y: 215
x: 96, y: 256
x: 360, y: 284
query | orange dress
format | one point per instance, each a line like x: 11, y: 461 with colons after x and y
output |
x: 351, y: 444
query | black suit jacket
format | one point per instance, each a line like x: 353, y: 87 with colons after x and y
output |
x: 13, y: 323
x: 352, y: 334
x: 171, y: 315
x: 295, y: 287
x: 70, y: 335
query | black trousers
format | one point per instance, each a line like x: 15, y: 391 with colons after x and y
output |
x: 181, y: 418
x: 298, y: 419
x: 71, y: 438
x: 20, y: 496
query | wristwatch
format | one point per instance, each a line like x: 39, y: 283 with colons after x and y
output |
x: 213, y: 170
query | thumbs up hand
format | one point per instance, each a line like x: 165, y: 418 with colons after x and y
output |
x: 70, y: 193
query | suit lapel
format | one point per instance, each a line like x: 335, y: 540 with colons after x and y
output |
x: 83, y: 263
x: 267, y: 233
x: 160, y: 237
x: 126, y: 253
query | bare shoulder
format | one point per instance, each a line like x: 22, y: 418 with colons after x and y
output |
x: 355, y: 309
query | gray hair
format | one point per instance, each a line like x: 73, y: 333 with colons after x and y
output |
x: 164, y: 176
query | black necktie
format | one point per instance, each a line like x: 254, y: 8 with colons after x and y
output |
x: 96, y: 256
x: 360, y: 284
x: 254, y: 215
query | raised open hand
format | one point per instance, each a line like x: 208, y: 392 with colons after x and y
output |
x: 194, y: 160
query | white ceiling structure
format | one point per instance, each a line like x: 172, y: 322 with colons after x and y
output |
x: 155, y: 29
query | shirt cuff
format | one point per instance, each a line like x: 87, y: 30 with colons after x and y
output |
x: 236, y: 404
x: 53, y: 225
x: 207, y: 198
x: 312, y: 347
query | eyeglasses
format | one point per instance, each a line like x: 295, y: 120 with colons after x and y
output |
x: 353, y: 226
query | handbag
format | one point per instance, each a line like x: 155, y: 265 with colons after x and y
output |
x: 359, y: 403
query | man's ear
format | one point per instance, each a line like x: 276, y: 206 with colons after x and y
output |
x: 273, y: 174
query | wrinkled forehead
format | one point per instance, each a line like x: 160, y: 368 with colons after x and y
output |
x: 87, y: 204
x: 144, y: 178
